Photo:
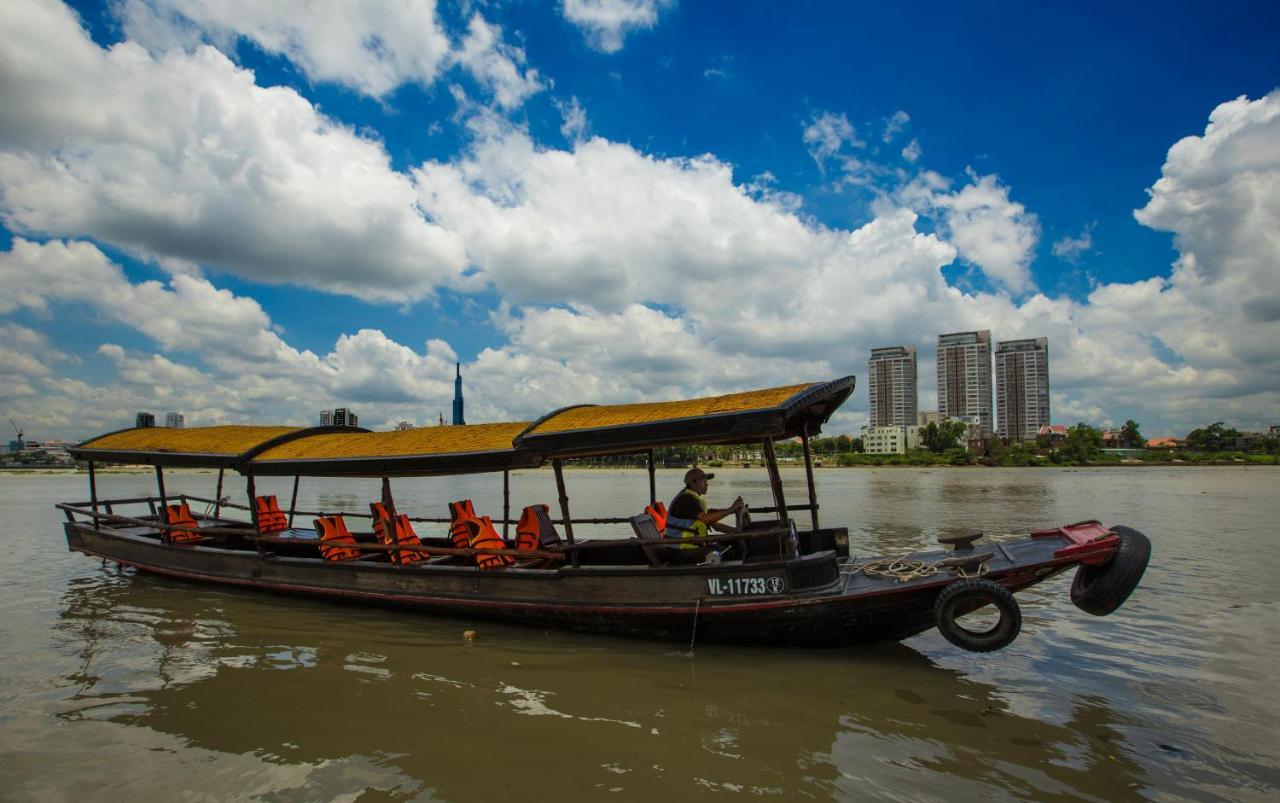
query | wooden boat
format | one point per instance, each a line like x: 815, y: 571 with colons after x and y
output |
x: 779, y: 582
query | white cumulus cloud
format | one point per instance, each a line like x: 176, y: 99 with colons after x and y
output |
x: 606, y: 23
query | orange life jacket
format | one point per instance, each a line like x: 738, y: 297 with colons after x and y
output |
x: 179, y: 516
x: 485, y: 537
x: 271, y: 518
x: 477, y: 532
x: 405, y: 536
x: 658, y: 511
x: 336, y: 541
x: 459, y: 513
x: 529, y: 530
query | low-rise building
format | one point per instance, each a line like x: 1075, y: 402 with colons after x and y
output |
x: 1054, y: 433
x: 890, y: 440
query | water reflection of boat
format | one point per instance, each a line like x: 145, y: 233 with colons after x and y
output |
x: 323, y: 686
x: 775, y: 582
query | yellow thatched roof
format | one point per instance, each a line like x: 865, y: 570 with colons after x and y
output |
x: 623, y: 414
x: 425, y: 441
x: 225, y: 440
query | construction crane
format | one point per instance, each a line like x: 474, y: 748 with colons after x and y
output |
x: 17, y: 430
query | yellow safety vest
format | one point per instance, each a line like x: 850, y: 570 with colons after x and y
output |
x: 688, y: 528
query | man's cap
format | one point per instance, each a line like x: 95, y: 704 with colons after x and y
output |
x: 694, y: 473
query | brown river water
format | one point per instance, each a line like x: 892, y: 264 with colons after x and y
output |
x: 120, y: 685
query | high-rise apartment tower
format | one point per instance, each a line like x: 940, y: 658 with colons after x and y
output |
x: 1022, y: 387
x: 964, y: 376
x: 891, y: 386
x: 175, y: 420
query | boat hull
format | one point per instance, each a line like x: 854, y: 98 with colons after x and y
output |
x: 825, y: 602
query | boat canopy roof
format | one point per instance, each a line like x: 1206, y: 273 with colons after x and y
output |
x: 205, y: 447
x: 580, y: 431
x: 781, y: 412
x: 417, y: 452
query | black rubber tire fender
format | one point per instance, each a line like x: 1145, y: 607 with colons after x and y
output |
x: 964, y: 596
x: 1100, y: 590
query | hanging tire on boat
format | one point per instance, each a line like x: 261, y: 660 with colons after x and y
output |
x: 1099, y: 590
x: 966, y: 596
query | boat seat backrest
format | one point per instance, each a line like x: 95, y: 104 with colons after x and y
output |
x: 186, y: 528
x: 645, y: 528
x: 336, y: 541
x: 535, y: 530
x: 405, y: 535
x: 271, y: 518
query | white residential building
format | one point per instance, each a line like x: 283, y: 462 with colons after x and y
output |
x: 890, y: 440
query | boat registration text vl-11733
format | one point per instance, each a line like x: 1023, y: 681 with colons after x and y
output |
x: 729, y: 586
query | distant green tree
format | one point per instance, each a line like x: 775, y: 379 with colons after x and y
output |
x: 940, y: 437
x: 856, y: 445
x: 1213, y: 438
x: 1130, y: 436
x: 1083, y: 443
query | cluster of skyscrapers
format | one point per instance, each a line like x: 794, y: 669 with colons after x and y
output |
x: 964, y: 366
x: 171, y: 420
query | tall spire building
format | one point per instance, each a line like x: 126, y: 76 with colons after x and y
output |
x: 964, y: 377
x: 891, y: 386
x: 458, y: 417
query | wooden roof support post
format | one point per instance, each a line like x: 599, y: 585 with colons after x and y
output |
x: 808, y: 473
x: 93, y: 496
x: 775, y: 480
x: 217, y: 501
x: 253, y: 503
x: 506, y: 501
x: 558, y: 465
x: 164, y: 498
x: 653, y: 481
x: 389, y: 525
x: 293, y: 500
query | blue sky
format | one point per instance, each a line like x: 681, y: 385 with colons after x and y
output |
x: 248, y: 213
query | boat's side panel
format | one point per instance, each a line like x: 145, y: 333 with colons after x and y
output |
x: 636, y: 601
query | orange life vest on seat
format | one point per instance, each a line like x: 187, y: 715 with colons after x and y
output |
x: 658, y: 511
x: 485, y: 537
x: 477, y: 532
x: 405, y: 536
x: 271, y: 518
x: 336, y: 541
x: 179, y: 516
x: 529, y: 530
x: 459, y: 513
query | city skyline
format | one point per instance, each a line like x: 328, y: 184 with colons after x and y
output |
x: 249, y: 217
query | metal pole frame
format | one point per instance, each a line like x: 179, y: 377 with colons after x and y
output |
x: 775, y: 480
x: 564, y: 508
x: 253, y: 503
x: 389, y: 502
x: 93, y: 496
x: 506, y: 502
x: 653, y: 481
x: 164, y: 497
x: 217, y: 503
x: 808, y: 472
x: 293, y: 500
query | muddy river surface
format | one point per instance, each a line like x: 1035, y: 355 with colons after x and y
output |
x: 120, y: 685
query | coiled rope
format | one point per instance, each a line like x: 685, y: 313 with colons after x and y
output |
x: 904, y: 569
